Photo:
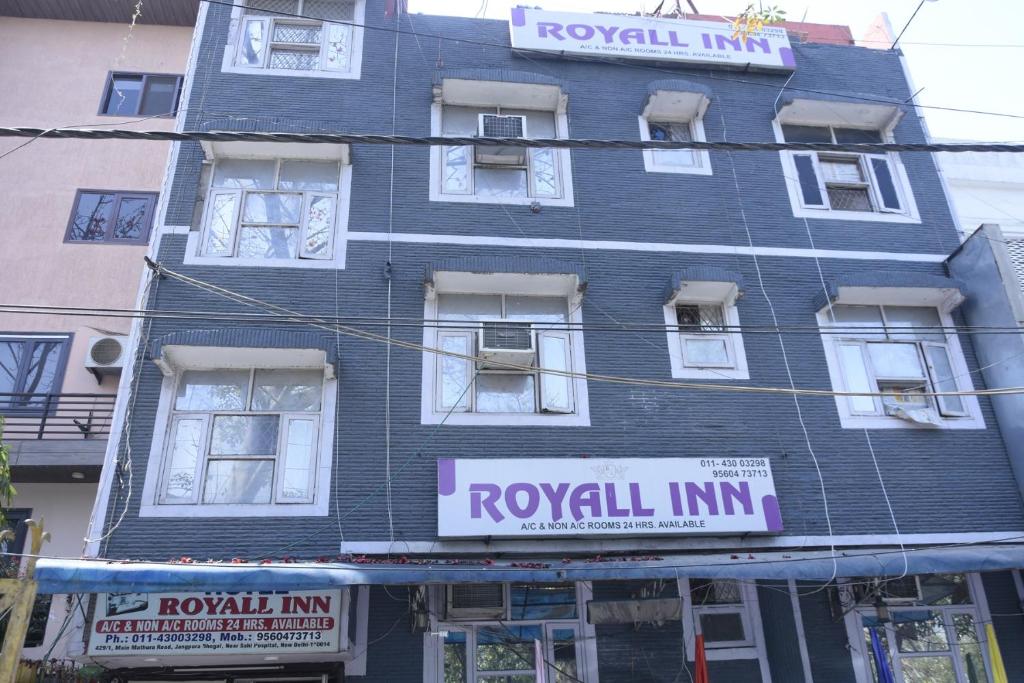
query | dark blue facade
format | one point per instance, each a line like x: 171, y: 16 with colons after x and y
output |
x: 939, y: 482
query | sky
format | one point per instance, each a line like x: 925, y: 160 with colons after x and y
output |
x: 948, y: 48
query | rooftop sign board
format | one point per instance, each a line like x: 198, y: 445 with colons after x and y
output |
x: 631, y: 37
x: 550, y: 497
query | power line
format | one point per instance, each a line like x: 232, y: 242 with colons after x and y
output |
x: 907, y: 25
x: 609, y: 61
x: 558, y: 143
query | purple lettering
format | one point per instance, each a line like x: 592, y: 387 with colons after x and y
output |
x: 705, y: 495
x: 677, y: 500
x: 512, y: 492
x: 580, y: 31
x: 607, y: 31
x: 706, y: 40
x: 721, y: 42
x: 634, y: 34
x: 613, y: 505
x: 549, y: 28
x: 555, y: 496
x: 652, y: 33
x: 673, y: 40
x: 760, y: 42
x: 585, y: 496
x: 636, y: 504
x: 741, y: 494
x: 478, y: 503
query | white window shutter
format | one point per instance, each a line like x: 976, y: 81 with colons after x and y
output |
x: 943, y: 377
x: 220, y: 224
x: 554, y: 349
x: 318, y: 226
x: 454, y: 375
x: 857, y: 376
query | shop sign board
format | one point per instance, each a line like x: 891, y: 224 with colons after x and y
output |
x: 155, y: 624
x: 547, y: 497
x: 632, y: 37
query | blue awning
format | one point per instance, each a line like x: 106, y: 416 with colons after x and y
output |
x: 98, y: 576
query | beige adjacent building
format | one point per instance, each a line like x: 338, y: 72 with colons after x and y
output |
x: 78, y: 218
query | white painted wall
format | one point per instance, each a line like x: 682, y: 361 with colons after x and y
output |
x: 65, y: 509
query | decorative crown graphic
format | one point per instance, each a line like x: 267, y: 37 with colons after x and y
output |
x: 609, y: 472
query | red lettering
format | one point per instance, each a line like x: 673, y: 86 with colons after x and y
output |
x: 168, y: 606
x: 191, y: 606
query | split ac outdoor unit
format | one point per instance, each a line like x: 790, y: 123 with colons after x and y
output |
x: 475, y: 601
x: 504, y: 342
x: 106, y: 355
x: 501, y: 126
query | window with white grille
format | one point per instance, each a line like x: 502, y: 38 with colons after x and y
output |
x: 1015, y: 247
x: 282, y: 36
x: 847, y: 182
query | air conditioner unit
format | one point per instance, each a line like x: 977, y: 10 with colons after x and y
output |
x: 475, y: 601
x: 106, y: 355
x: 501, y: 126
x: 903, y: 590
x: 502, y: 342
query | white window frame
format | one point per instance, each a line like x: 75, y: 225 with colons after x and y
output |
x: 702, y: 159
x: 852, y: 419
x: 235, y: 35
x: 431, y: 411
x: 152, y: 504
x: 753, y: 647
x: 681, y: 369
x: 433, y: 639
x: 909, y: 212
x: 861, y: 657
x: 197, y: 239
x: 563, y: 167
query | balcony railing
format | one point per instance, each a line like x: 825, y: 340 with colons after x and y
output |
x: 56, y: 416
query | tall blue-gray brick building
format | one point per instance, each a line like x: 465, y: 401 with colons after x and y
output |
x: 486, y: 412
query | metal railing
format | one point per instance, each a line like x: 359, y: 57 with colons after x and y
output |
x: 56, y: 416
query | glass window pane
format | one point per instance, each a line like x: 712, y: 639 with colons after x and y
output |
x: 280, y: 243
x: 334, y: 10
x: 564, y: 668
x: 539, y: 124
x: 468, y: 306
x: 808, y: 179
x: 41, y: 373
x: 455, y: 657
x: 93, y: 216
x: 508, y: 648
x: 455, y: 372
x: 886, y: 186
x: 185, y: 451
x: 298, y: 460
x: 945, y: 589
x: 841, y: 171
x: 274, y: 208
x: 899, y: 318
x: 296, y: 33
x: 849, y: 198
x: 272, y: 7
x: 212, y: 390
x: 715, y: 592
x: 675, y: 132
x: 132, y: 218
x: 929, y: 670
x: 11, y: 353
x: 315, y: 176
x: 125, y: 92
x: 713, y: 351
x: 500, y: 182
x: 892, y: 360
x: 806, y: 134
x: 319, y: 227
x: 337, y: 50
x: 297, y: 60
x: 944, y: 379
x: 538, y: 309
x: 544, y: 170
x: 245, y: 174
x: 719, y: 627
x: 460, y: 121
x: 457, y: 165
x: 244, y: 435
x: 238, y: 481
x: 556, y: 390
x: 161, y: 96
x: 500, y: 393
x: 253, y: 45
x: 920, y: 631
x: 856, y: 135
x: 287, y: 390
x: 855, y: 371
x: 531, y: 601
x: 970, y: 649
x: 221, y: 228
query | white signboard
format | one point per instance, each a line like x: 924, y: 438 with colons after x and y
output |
x: 535, y: 497
x: 678, y: 40
x: 151, y: 624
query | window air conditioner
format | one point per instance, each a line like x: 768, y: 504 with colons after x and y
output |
x: 501, y: 126
x: 503, y: 342
x: 106, y: 355
x: 475, y: 601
